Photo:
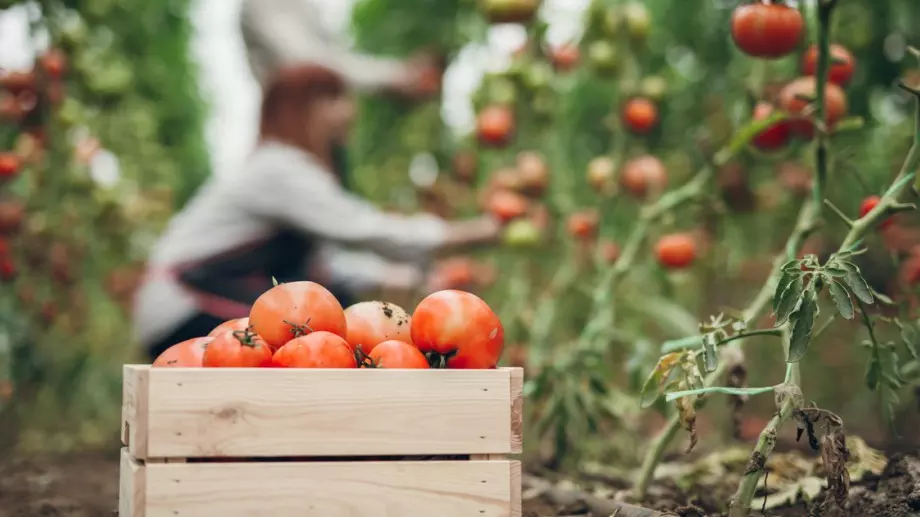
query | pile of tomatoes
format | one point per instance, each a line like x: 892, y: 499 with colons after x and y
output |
x: 302, y: 325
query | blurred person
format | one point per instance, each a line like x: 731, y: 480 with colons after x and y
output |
x: 285, y: 213
x: 282, y: 33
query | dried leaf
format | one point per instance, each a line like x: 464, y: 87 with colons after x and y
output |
x: 857, y: 283
x: 789, y: 301
x: 842, y: 300
x: 803, y: 321
x: 654, y: 385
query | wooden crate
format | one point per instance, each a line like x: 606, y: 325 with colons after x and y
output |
x: 226, y: 442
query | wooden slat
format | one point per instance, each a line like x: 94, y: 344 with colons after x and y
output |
x: 335, y: 489
x: 517, y: 410
x: 135, y: 385
x: 131, y: 487
x: 517, y: 499
x: 281, y: 412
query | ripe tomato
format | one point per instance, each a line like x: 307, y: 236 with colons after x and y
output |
x: 293, y: 309
x: 583, y: 225
x: 835, y: 104
x: 8, y: 269
x: 371, y: 323
x: 643, y: 175
x: 601, y: 171
x: 54, y: 63
x: 234, y: 324
x: 868, y: 205
x: 609, y: 252
x: 12, y: 212
x: 676, y: 251
x: 640, y: 115
x: 397, y: 354
x: 775, y: 136
x: 189, y: 353
x: 532, y: 172
x: 840, y: 72
x: 495, y: 125
x: 565, y: 57
x: 9, y: 166
x: 237, y: 349
x: 459, y: 327
x: 316, y: 350
x: 767, y: 31
x: 506, y: 205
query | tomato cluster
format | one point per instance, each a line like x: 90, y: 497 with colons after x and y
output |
x: 302, y: 325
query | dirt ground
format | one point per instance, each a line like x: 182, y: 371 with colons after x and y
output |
x: 85, y: 485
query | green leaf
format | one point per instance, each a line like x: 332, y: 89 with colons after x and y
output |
x: 911, y: 338
x: 882, y: 297
x: 785, y: 280
x: 684, y: 343
x: 670, y: 397
x: 842, y: 300
x: 803, y: 321
x: 873, y: 372
x: 857, y: 283
x: 793, y: 266
x: 789, y: 301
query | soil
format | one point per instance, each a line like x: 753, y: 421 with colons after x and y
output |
x: 85, y: 485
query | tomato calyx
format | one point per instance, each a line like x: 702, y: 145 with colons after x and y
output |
x: 439, y: 360
x: 364, y: 360
x: 299, y: 330
x: 247, y: 337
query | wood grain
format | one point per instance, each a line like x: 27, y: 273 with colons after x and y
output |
x: 131, y: 487
x: 517, y: 410
x: 135, y: 385
x: 353, y: 489
x: 228, y: 412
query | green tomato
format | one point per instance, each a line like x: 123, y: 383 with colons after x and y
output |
x: 521, y: 233
x: 538, y: 76
x: 638, y: 21
x: 603, y: 57
x: 501, y: 90
x: 654, y: 87
x: 612, y: 22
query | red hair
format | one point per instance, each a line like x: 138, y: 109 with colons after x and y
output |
x: 289, y: 98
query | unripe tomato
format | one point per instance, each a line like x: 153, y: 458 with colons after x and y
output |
x: 676, y: 251
x: 868, y: 205
x: 609, y: 251
x: 293, y: 309
x: 601, y: 172
x: 583, y: 225
x: 644, y: 175
x: 460, y: 327
x: 495, y: 125
x: 54, y: 63
x: 565, y: 57
x: 537, y: 76
x: 521, y: 233
x: 532, y: 172
x: 397, y: 354
x: 371, y: 323
x: 768, y: 31
x: 12, y: 213
x: 509, y: 11
x: 775, y: 136
x: 9, y: 166
x: 316, y: 350
x: 234, y: 324
x: 640, y: 115
x: 603, y: 57
x: 654, y: 87
x: 506, y: 205
x: 835, y: 104
x: 187, y: 354
x: 465, y: 165
x: 840, y: 71
x: 638, y: 20
x: 237, y: 349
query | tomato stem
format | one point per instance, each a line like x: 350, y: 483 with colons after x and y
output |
x: 298, y: 329
x: 246, y: 337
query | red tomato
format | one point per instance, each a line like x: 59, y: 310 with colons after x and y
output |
x: 397, y: 354
x: 9, y: 165
x: 601, y: 171
x: 8, y: 269
x: 234, y: 324
x: 583, y: 225
x: 237, y: 349
x: 840, y: 72
x: 460, y: 327
x: 835, y: 104
x: 533, y: 172
x: 773, y: 137
x: 767, y: 31
x: 609, y: 251
x: 495, y: 125
x: 506, y: 205
x: 676, y: 251
x: 565, y: 57
x: 54, y: 63
x: 910, y: 270
x: 643, y: 175
x: 319, y: 349
x: 870, y: 203
x: 371, y: 323
x: 12, y: 212
x: 640, y: 115
x: 189, y: 353
x: 293, y: 309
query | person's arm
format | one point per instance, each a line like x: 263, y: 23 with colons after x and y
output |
x: 295, y: 191
x: 363, y: 271
x: 278, y: 33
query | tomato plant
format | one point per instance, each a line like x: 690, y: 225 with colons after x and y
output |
x: 319, y: 349
x: 293, y: 309
x: 793, y: 97
x: 371, y: 323
x: 458, y: 329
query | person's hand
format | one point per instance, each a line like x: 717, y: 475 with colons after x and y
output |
x: 422, y: 78
x: 480, y: 230
x: 403, y: 277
